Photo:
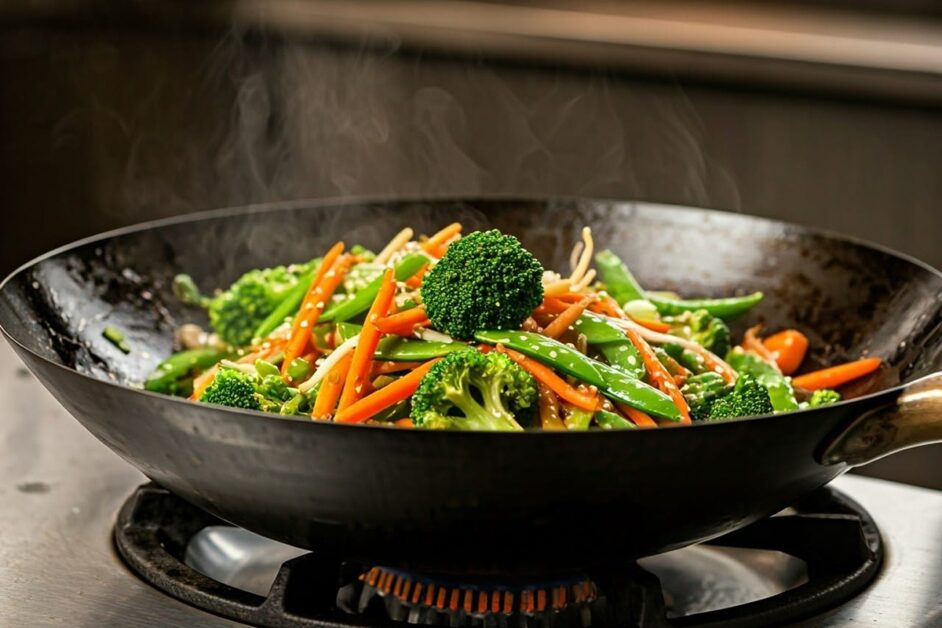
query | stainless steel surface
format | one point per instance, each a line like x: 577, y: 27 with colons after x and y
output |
x: 61, y: 490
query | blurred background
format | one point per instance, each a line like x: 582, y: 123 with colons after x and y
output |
x: 826, y: 114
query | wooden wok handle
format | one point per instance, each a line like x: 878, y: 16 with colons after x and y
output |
x: 915, y: 419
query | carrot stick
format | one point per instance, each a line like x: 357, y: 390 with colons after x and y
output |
x: 406, y: 423
x: 837, y: 375
x: 385, y: 397
x: 659, y: 374
x: 384, y: 368
x: 330, y: 389
x: 788, y: 347
x: 553, y: 381
x: 569, y: 316
x: 415, y: 281
x: 359, y: 372
x: 311, y: 311
x: 607, y: 306
x: 658, y: 326
x: 432, y: 245
x: 403, y: 323
x: 639, y: 418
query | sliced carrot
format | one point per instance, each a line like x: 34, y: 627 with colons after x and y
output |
x: 406, y: 423
x: 403, y: 323
x: 384, y: 368
x: 639, y: 418
x: 837, y: 375
x: 553, y: 381
x: 433, y: 244
x: 385, y: 397
x: 329, y: 392
x: 359, y: 373
x: 607, y: 306
x: 415, y: 281
x: 659, y: 374
x: 658, y: 326
x: 566, y: 318
x: 788, y: 348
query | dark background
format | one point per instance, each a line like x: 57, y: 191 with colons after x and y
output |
x: 110, y: 116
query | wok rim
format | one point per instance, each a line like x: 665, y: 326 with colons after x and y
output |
x: 315, y: 203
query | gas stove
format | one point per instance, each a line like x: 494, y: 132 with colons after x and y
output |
x: 84, y: 541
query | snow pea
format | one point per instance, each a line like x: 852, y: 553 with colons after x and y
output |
x: 577, y: 419
x: 780, y: 387
x: 612, y: 382
x: 611, y: 421
x: 361, y: 301
x: 396, y: 349
x: 618, y: 280
x: 180, y: 364
x: 624, y: 356
x: 288, y: 306
x: 727, y: 307
x: 611, y: 342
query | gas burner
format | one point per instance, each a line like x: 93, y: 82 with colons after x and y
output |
x: 798, y: 563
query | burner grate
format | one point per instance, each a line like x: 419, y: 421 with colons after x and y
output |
x: 834, y: 537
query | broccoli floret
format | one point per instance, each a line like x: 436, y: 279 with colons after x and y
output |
x: 486, y: 280
x: 706, y: 330
x: 823, y: 397
x: 701, y: 391
x: 236, y: 313
x: 748, y: 398
x: 470, y: 390
x: 232, y: 388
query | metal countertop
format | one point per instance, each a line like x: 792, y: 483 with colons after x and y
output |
x: 61, y: 490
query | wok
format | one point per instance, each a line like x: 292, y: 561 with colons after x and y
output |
x: 482, y: 503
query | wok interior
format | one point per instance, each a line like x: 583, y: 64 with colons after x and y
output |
x: 849, y: 298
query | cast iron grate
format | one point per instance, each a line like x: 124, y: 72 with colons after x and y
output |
x: 835, y: 537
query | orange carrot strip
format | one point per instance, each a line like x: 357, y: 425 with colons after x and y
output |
x: 330, y: 389
x: 406, y: 423
x: 415, y: 281
x: 359, y: 372
x: 384, y: 368
x: 311, y: 309
x: 837, y: 375
x: 639, y: 418
x: 553, y: 381
x: 385, y: 397
x: 569, y: 316
x: 657, y: 326
x: 607, y: 306
x: 788, y: 347
x: 432, y: 244
x: 403, y: 323
x: 659, y: 374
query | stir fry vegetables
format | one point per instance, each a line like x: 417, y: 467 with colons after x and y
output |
x: 470, y: 332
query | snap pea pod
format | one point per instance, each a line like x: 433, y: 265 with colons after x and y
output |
x: 780, y: 388
x: 612, y: 382
x: 611, y: 421
x: 288, y: 306
x: 597, y: 330
x: 180, y: 364
x: 618, y: 280
x: 624, y: 356
x: 361, y: 301
x: 396, y: 349
x: 612, y: 343
x: 577, y: 419
x: 727, y: 307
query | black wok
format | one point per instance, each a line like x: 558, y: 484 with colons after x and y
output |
x: 486, y: 502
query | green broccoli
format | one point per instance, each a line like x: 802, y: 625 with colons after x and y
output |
x: 470, y: 390
x: 701, y: 391
x: 236, y: 312
x: 823, y: 397
x: 232, y: 388
x: 486, y: 280
x: 748, y: 398
x: 699, y: 326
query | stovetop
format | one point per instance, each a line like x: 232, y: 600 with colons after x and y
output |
x: 62, y: 490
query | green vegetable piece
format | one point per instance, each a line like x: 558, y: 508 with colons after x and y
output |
x: 612, y: 382
x: 618, y: 280
x: 470, y: 390
x: 296, y: 406
x: 598, y: 330
x: 708, y: 331
x: 186, y: 290
x: 116, y: 337
x: 749, y: 398
x: 688, y: 359
x: 396, y: 411
x: 611, y: 421
x: 780, y: 387
x: 232, y: 388
x: 486, y: 280
x: 576, y: 419
x: 264, y: 367
x: 823, y: 397
x: 397, y: 349
x: 625, y: 356
x: 289, y: 305
x: 728, y: 307
x: 701, y: 391
x: 298, y: 369
x: 179, y: 365
x: 362, y: 300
